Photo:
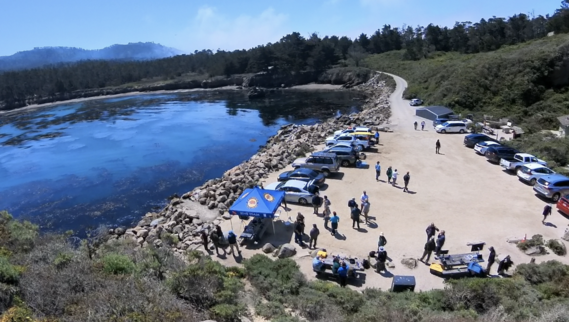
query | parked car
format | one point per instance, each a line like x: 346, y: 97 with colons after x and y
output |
x: 360, y: 141
x: 346, y: 144
x: 416, y: 102
x: 563, y: 205
x: 494, y: 153
x: 324, y: 162
x: 552, y: 186
x: 303, y: 174
x: 472, y: 139
x: 451, y: 127
x: 347, y: 155
x: 481, y: 147
x: 518, y: 160
x: 295, y: 191
x: 353, y: 129
x: 439, y: 121
x: 530, y: 172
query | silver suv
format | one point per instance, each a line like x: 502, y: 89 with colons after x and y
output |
x: 320, y: 161
x: 347, y: 155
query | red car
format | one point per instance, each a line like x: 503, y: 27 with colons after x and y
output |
x: 563, y: 205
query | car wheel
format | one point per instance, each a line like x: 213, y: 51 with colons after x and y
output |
x: 303, y: 201
x: 555, y: 197
x: 443, y: 131
x: 326, y: 172
x: 361, y: 147
x: 532, y: 182
x: 345, y: 163
x: 461, y: 131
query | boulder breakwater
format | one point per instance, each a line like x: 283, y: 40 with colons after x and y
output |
x: 180, y: 223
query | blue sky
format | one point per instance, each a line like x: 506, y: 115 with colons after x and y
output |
x: 222, y: 24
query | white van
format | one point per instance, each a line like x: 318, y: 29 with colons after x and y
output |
x: 451, y: 127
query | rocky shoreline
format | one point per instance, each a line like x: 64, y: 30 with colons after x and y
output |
x: 180, y: 223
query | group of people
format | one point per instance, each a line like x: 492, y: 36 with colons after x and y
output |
x: 220, y: 241
x: 422, y: 125
x: 339, y: 267
x: 392, y: 176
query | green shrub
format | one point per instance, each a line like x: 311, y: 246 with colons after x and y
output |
x: 534, y: 241
x: 117, y: 264
x: 270, y: 310
x: 170, y: 239
x: 350, y: 301
x: 62, y: 259
x: 226, y: 312
x: 9, y: 274
x: 273, y: 277
x: 556, y: 247
x: 544, y: 272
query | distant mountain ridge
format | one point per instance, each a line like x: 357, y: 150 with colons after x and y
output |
x: 38, y: 57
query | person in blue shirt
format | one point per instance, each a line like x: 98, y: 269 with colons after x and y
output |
x: 343, y: 274
x: 334, y: 220
x: 377, y: 171
x: 317, y: 264
x: 376, y: 136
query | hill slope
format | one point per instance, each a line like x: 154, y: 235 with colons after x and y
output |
x: 527, y: 82
x: 53, y: 55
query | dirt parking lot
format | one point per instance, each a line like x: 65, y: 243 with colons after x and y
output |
x: 458, y: 190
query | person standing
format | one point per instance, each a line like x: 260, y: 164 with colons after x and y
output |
x: 316, y: 203
x: 205, y: 240
x: 298, y: 232
x: 334, y: 220
x: 381, y: 259
x: 376, y: 136
x: 546, y: 212
x: 389, y: 173
x: 430, y: 246
x: 382, y: 241
x: 352, y: 203
x: 364, y: 198
x: 395, y: 175
x: 377, y: 171
x: 406, y: 179
x: 422, y: 125
x: 343, y: 274
x: 431, y: 230
x: 314, y: 232
x: 415, y: 124
x: 327, y: 204
x: 216, y: 238
x: 365, y: 210
x: 491, y: 259
x: 440, y: 242
x: 232, y: 240
x: 438, y: 146
x: 356, y: 217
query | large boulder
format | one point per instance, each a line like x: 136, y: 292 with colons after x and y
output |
x: 268, y: 248
x: 286, y: 250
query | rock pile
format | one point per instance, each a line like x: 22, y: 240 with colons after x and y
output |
x: 180, y: 224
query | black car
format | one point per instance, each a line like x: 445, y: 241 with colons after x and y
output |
x: 494, y: 154
x: 303, y: 174
x: 347, y: 155
x: 472, y: 139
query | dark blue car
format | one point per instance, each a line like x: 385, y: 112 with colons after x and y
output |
x: 303, y: 174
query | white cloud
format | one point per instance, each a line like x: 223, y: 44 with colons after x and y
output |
x: 212, y: 29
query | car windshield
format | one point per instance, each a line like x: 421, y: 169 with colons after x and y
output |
x: 445, y: 124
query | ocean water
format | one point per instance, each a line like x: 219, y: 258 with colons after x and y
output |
x: 109, y: 161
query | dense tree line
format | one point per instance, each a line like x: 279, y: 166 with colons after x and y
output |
x: 292, y: 53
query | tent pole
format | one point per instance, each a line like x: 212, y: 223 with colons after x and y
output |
x: 231, y: 222
x: 273, y: 222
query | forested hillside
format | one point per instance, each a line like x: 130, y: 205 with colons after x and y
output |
x: 291, y: 54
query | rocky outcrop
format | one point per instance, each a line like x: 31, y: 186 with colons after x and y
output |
x: 346, y: 76
x: 181, y: 222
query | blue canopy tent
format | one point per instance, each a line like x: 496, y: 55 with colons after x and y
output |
x: 257, y: 202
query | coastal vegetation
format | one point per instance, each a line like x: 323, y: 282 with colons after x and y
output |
x: 54, y: 278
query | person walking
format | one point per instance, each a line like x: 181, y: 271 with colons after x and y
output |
x: 415, y: 124
x: 430, y: 246
x: 431, y: 230
x: 395, y: 175
x: 491, y: 259
x: 363, y: 198
x: 205, y: 240
x: 406, y: 179
x: 389, y: 173
x: 546, y: 212
x: 356, y: 212
x: 334, y: 220
x: 327, y: 204
x: 316, y: 203
x: 232, y: 240
x: 440, y: 242
x: 216, y: 236
x: 437, y: 147
x: 343, y: 274
x: 365, y: 210
x: 298, y: 232
x: 376, y: 136
x: 382, y: 241
x: 314, y: 232
x: 377, y: 171
x: 422, y: 125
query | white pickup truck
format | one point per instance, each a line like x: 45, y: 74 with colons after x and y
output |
x: 518, y: 160
x: 353, y: 140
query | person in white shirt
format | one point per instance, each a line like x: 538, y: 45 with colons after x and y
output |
x: 364, y: 198
x: 395, y: 174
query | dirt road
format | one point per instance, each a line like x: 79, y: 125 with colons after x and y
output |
x: 457, y: 190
